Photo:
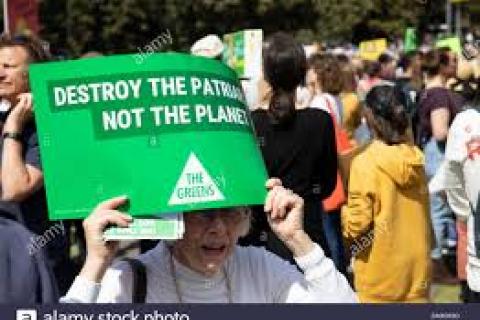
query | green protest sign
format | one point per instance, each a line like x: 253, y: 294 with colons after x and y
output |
x: 453, y: 43
x: 243, y: 52
x: 410, y: 40
x: 172, y: 133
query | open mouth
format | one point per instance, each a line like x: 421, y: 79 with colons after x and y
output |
x: 214, y: 249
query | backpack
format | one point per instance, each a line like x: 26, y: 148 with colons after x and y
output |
x: 139, y: 280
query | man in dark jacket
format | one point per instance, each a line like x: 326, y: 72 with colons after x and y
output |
x: 25, y: 275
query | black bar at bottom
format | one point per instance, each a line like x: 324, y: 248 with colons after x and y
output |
x: 240, y: 312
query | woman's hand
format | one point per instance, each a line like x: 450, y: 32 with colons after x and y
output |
x: 285, y: 215
x: 100, y: 253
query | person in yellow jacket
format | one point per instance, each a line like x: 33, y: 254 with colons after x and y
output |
x: 386, y: 219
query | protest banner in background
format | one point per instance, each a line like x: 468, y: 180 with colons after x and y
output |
x: 372, y: 49
x: 410, y: 40
x: 172, y: 133
x: 453, y: 43
x: 243, y: 53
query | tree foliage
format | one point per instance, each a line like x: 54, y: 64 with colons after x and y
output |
x: 111, y: 26
x: 390, y: 17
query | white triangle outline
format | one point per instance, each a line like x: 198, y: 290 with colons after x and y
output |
x: 193, y: 165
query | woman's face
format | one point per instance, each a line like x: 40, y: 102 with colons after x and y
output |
x: 209, y: 239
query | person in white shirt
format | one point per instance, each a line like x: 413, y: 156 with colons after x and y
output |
x: 207, y: 266
x: 462, y: 179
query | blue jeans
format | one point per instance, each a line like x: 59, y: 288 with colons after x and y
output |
x: 332, y: 228
x: 443, y: 219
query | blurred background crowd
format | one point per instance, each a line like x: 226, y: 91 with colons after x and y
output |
x: 427, y: 53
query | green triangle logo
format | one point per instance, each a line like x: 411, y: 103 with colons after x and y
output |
x: 194, y: 185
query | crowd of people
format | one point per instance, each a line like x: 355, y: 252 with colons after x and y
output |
x: 373, y: 196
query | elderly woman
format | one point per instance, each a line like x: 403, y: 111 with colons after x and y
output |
x: 207, y: 266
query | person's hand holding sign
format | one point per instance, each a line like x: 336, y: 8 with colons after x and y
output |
x: 100, y: 253
x: 285, y: 215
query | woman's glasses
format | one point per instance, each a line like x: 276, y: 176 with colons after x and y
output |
x: 228, y: 216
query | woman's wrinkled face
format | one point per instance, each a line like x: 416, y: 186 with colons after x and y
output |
x: 210, y: 238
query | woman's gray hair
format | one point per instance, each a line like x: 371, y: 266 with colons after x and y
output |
x: 246, y: 222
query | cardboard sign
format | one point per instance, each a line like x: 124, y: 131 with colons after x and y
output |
x: 172, y: 133
x: 372, y: 49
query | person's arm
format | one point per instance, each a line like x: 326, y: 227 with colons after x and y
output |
x: 115, y: 286
x: 18, y: 178
x: 358, y: 212
x: 321, y: 282
x: 455, y: 155
x: 456, y: 194
x: 439, y: 119
x: 100, y: 253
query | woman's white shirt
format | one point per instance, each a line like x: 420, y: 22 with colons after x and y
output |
x: 462, y: 180
x: 327, y: 103
x: 254, y: 275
